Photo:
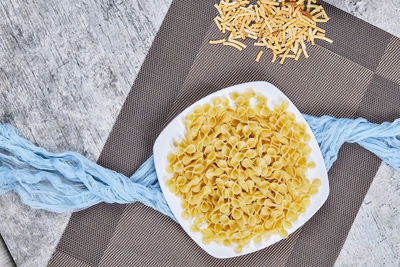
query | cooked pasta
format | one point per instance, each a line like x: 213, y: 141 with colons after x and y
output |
x: 241, y: 169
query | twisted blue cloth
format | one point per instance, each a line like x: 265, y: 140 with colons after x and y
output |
x: 70, y: 182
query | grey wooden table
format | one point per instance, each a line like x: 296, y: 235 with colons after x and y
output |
x: 65, y: 70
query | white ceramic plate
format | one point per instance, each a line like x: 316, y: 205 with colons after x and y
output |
x: 175, y: 131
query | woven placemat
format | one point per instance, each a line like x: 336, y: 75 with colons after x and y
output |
x: 357, y: 75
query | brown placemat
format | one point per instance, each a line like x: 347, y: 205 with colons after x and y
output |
x: 358, y: 75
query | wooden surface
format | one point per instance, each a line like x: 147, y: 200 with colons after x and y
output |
x: 66, y: 69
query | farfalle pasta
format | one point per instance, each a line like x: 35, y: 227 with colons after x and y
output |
x: 241, y: 169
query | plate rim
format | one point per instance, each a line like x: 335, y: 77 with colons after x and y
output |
x: 166, y: 191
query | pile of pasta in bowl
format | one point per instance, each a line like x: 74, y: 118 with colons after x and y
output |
x: 241, y: 168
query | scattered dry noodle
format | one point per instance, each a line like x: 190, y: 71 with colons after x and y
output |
x: 274, y: 24
x: 233, y: 45
x: 259, y: 56
x: 220, y: 41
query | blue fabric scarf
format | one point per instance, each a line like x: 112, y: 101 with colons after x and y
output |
x: 70, y: 182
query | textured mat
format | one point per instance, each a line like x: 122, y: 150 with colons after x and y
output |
x: 358, y: 75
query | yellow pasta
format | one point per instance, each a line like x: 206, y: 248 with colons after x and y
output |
x: 241, y: 169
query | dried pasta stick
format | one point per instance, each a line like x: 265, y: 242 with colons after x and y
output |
x: 233, y: 45
x: 217, y: 41
x: 298, y: 54
x: 273, y: 58
x: 217, y: 23
x: 230, y: 39
x: 323, y: 38
x: 259, y: 56
x: 284, y: 56
x: 303, y: 46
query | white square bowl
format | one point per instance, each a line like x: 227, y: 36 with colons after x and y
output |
x: 175, y: 130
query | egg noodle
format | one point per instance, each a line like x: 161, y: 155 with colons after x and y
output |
x: 284, y: 27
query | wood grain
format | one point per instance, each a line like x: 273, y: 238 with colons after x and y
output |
x: 65, y: 70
